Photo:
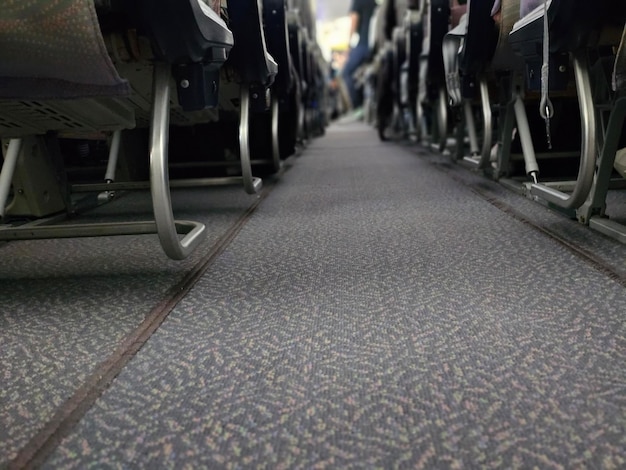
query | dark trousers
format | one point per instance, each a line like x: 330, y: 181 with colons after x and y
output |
x: 358, y: 56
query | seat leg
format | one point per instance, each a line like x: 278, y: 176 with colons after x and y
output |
x: 109, y: 176
x: 8, y: 169
x: 595, y: 205
x: 275, y: 137
x: 588, y: 154
x: 251, y: 184
x: 471, y: 128
x: 173, y: 246
x: 526, y: 139
x: 441, y: 118
x: 485, y: 154
x: 503, y: 160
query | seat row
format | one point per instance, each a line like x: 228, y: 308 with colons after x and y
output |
x: 101, y: 96
x: 531, y: 92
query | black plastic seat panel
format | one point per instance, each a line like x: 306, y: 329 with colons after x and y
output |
x: 182, y: 31
x: 277, y: 39
x: 439, y: 18
x: 250, y: 55
x: 481, y: 38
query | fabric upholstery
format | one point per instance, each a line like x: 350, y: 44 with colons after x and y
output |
x: 54, y: 49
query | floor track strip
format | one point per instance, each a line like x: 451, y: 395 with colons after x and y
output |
x: 42, y: 444
x: 580, y: 252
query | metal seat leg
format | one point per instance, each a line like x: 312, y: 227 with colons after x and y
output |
x: 275, y: 137
x: 173, y: 246
x: 251, y: 184
x: 587, y: 165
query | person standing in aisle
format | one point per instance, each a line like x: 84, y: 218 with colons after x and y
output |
x: 361, y: 12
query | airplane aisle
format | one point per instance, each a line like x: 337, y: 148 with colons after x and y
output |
x: 379, y: 308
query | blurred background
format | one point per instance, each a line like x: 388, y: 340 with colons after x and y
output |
x: 333, y: 25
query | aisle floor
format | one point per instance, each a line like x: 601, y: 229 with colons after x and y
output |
x: 373, y: 312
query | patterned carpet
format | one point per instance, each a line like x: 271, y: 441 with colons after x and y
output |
x: 376, y: 313
x: 66, y: 304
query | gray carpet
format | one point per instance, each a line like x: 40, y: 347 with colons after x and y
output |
x: 66, y: 304
x: 375, y: 313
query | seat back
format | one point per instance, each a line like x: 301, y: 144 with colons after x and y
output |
x: 504, y: 58
x: 436, y: 25
x: 50, y: 56
x: 481, y: 38
x: 82, y: 91
x: 191, y: 36
x: 276, y: 36
x: 415, y: 37
x: 451, y: 49
x: 55, y: 72
x: 250, y: 56
x: 576, y: 23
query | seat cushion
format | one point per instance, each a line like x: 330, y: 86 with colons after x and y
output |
x: 54, y: 49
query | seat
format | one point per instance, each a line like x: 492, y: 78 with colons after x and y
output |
x: 468, y: 54
x: 594, y: 210
x: 390, y: 56
x: 273, y: 132
x: 77, y: 90
x: 415, y: 36
x: 299, y: 43
x: 575, y: 28
x: 250, y: 56
x: 451, y: 50
x: 432, y: 102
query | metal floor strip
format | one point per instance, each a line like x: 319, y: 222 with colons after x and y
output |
x: 42, y: 444
x: 580, y: 252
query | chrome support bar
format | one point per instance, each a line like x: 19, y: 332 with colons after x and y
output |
x: 174, y: 247
x: 471, y: 127
x: 8, y: 170
x: 275, y: 136
x: 41, y: 232
x: 485, y: 154
x: 595, y: 204
x: 586, y: 169
x: 114, y: 151
x: 609, y: 228
x: 526, y: 139
x: 139, y: 185
x: 168, y: 230
x: 442, y: 120
x: 251, y: 184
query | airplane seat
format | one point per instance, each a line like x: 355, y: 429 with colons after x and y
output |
x: 250, y: 56
x: 40, y: 66
x: 296, y: 36
x: 438, y: 25
x: 432, y: 101
x: 479, y: 45
x: 505, y: 13
x: 399, y: 59
x: 192, y: 37
x: 415, y: 37
x: 573, y: 25
x: 581, y: 36
x: 285, y: 87
x: 276, y: 36
x: 89, y: 67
